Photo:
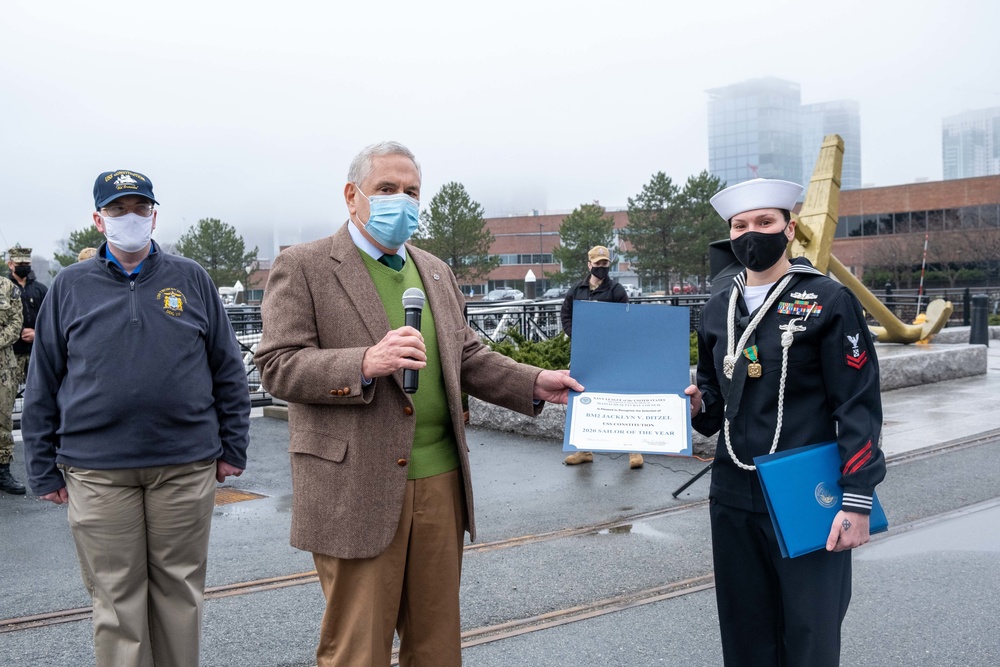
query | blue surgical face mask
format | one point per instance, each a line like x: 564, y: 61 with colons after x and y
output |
x: 392, y: 219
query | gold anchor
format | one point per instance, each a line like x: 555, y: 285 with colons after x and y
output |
x: 814, y: 232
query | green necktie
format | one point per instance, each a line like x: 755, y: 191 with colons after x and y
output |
x: 394, y: 262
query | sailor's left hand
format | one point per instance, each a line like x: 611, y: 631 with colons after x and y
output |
x: 849, y: 530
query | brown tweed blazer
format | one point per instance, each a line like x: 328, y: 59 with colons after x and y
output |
x: 321, y: 312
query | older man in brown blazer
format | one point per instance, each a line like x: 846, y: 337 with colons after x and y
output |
x: 382, y: 494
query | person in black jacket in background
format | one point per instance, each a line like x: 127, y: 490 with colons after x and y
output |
x: 597, y: 286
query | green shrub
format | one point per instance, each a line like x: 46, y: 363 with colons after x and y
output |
x: 551, y: 354
x: 993, y: 320
x: 971, y: 275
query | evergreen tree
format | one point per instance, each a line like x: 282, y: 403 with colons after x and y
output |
x: 580, y: 231
x: 88, y: 237
x: 655, y: 220
x: 700, y: 225
x: 220, y: 251
x: 453, y: 230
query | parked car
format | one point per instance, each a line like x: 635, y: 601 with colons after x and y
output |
x: 686, y: 288
x: 632, y: 291
x: 504, y: 294
x: 555, y: 293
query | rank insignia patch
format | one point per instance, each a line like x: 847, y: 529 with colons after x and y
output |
x: 173, y: 301
x: 855, y: 356
x: 799, y: 308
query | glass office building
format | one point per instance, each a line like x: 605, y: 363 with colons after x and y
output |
x: 754, y: 130
x: 970, y: 144
x: 841, y: 117
x: 760, y: 128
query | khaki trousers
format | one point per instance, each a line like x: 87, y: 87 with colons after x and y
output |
x: 412, y: 587
x: 142, y: 538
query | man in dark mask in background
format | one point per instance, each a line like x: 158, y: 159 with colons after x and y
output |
x: 785, y: 360
x: 32, y: 292
x: 597, y: 286
x: 28, y: 293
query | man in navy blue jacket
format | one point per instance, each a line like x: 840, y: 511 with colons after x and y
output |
x: 136, y: 404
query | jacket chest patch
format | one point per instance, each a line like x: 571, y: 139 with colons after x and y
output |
x: 173, y: 301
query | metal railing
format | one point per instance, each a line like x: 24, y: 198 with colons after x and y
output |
x: 247, y: 326
x: 540, y: 320
x: 903, y: 302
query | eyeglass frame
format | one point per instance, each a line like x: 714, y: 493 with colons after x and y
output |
x: 129, y: 209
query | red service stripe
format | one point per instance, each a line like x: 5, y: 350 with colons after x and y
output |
x: 866, y: 448
x: 857, y: 466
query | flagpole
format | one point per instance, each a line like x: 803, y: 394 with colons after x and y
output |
x: 923, y: 265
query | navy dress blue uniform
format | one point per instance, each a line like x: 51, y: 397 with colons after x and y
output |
x: 776, y: 611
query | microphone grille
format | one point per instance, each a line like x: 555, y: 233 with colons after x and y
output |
x: 413, y: 298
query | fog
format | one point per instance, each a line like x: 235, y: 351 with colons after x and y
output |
x: 251, y: 112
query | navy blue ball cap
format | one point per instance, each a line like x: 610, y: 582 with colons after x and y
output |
x: 111, y: 185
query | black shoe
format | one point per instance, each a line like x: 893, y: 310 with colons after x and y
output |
x: 7, y: 482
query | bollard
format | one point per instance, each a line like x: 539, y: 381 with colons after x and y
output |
x: 979, y: 334
x: 966, y: 307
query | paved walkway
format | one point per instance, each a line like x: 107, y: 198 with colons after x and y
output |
x: 916, y: 417
x: 924, y: 594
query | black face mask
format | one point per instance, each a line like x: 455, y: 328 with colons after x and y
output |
x: 759, y: 251
x: 600, y: 272
x: 22, y: 270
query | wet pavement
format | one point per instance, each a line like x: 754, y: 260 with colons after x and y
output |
x: 599, y: 550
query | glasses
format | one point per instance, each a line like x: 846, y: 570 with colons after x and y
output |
x: 143, y: 210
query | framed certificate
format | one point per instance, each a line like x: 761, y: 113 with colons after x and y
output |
x: 633, y: 360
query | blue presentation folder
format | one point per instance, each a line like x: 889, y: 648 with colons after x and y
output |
x: 803, y: 496
x: 628, y: 348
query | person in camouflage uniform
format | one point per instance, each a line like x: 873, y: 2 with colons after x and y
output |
x: 31, y: 293
x: 10, y: 331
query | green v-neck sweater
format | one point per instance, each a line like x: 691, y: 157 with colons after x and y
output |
x: 434, y: 446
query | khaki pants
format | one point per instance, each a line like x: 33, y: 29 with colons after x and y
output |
x: 412, y: 587
x: 142, y: 539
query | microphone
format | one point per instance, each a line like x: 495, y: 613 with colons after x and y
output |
x: 413, y: 304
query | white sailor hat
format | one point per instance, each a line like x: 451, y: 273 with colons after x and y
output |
x: 754, y: 194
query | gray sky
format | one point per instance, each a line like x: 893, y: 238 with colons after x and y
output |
x: 250, y: 111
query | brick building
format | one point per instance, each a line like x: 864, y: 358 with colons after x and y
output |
x: 876, y: 226
x: 880, y: 226
x: 525, y: 243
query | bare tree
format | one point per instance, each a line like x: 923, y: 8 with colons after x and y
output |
x: 945, y: 253
x: 982, y: 247
x: 899, y: 255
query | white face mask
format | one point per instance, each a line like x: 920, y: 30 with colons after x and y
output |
x: 128, y: 233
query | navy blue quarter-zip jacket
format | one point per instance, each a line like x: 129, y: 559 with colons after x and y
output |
x: 133, y: 372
